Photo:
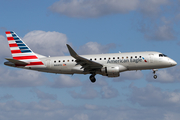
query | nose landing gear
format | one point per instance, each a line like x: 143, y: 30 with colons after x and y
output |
x: 154, y: 72
x: 155, y: 76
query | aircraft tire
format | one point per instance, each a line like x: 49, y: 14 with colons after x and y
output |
x: 92, y: 78
x: 155, y: 76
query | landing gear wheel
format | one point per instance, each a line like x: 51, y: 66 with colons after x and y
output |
x: 92, y: 78
x: 154, y: 72
x: 155, y: 76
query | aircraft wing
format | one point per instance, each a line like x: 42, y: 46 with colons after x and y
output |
x: 16, y: 61
x: 85, y: 63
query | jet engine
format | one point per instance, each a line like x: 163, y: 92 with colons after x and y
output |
x: 112, y: 71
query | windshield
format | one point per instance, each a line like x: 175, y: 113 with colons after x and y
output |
x: 162, y: 55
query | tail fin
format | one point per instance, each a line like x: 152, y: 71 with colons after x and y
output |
x: 20, y: 51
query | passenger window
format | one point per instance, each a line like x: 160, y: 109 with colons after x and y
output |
x: 113, y: 57
x: 104, y: 58
x: 109, y: 58
x: 67, y: 60
x: 72, y: 60
x: 122, y: 57
x: 94, y: 58
x: 99, y: 58
x: 131, y: 57
x: 90, y: 59
x: 139, y: 56
x: 59, y: 61
x: 127, y: 57
x: 135, y: 56
x: 117, y: 57
x: 54, y: 61
x: 63, y: 60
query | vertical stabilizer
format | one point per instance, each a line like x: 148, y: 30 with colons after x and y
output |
x: 20, y: 51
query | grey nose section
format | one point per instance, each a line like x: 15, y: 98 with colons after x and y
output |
x: 173, y: 63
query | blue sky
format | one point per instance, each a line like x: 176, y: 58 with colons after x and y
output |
x: 91, y: 26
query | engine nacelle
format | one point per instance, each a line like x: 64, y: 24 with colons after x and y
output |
x: 110, y: 71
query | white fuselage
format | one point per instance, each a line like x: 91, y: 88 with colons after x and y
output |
x: 129, y: 61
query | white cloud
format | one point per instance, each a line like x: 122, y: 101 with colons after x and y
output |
x: 46, y: 43
x: 171, y: 116
x: 161, y: 33
x: 65, y: 81
x: 46, y: 109
x: 160, y: 29
x: 95, y: 48
x: 80, y: 117
x: 6, y: 97
x: 152, y: 7
x: 93, y: 8
x: 129, y: 75
x: 20, y: 78
x: 4, y: 49
x: 44, y: 96
x: 89, y: 91
x: 91, y: 107
x: 99, y: 82
x: 164, y: 32
x: 158, y: 18
x: 109, y: 92
x: 153, y: 96
x: 168, y: 75
x: 86, y: 93
x: 151, y: 12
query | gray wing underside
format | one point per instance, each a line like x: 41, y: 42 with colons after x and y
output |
x: 16, y: 61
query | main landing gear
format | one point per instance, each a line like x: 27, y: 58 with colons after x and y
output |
x: 154, y: 72
x: 92, y: 78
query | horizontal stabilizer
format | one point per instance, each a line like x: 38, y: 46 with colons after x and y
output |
x: 17, y: 62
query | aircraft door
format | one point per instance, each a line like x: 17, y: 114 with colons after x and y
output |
x: 151, y: 58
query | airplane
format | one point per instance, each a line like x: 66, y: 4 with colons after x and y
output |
x: 110, y: 65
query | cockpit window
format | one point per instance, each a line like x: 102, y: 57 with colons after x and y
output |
x: 165, y: 55
x: 162, y: 55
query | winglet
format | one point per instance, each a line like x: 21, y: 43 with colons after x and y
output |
x: 72, y: 52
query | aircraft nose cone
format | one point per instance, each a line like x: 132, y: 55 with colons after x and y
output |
x: 173, y: 63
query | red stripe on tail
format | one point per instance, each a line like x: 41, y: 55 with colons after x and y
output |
x: 10, y: 38
x: 25, y: 57
x: 15, y: 51
x: 13, y: 45
x: 8, y: 32
x: 35, y: 63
